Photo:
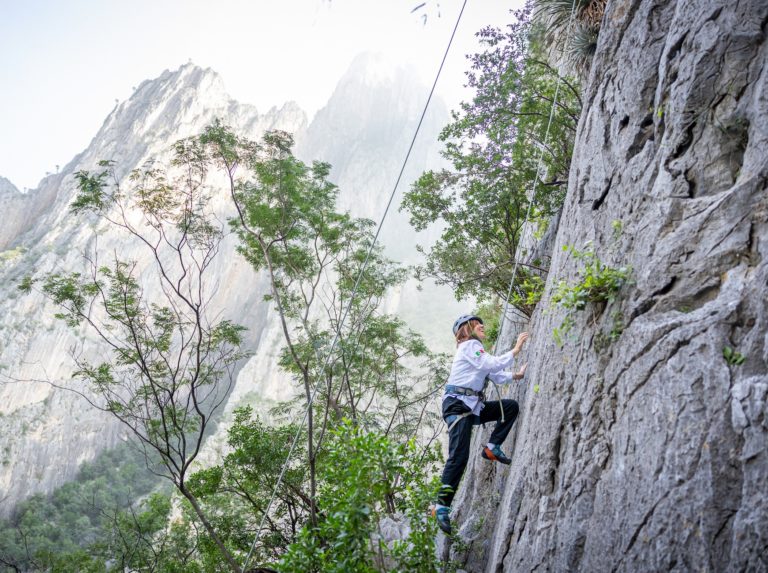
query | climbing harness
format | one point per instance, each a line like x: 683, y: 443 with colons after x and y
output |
x: 355, y: 288
x: 450, y: 389
x: 456, y: 418
x: 460, y: 391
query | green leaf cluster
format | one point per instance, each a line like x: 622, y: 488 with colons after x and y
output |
x: 366, y: 478
x: 236, y: 492
x: 732, y: 357
x: 596, y: 282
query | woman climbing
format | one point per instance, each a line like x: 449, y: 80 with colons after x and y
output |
x: 464, y: 406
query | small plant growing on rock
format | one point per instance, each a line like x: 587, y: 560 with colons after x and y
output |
x: 732, y: 357
x: 529, y: 291
x: 603, y: 340
x: 596, y: 283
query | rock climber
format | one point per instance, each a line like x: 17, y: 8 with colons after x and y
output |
x: 464, y: 406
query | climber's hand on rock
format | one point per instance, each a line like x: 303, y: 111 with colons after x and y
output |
x: 520, y: 341
x: 520, y: 373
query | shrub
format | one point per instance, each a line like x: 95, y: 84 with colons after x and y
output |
x: 732, y: 357
x: 367, y: 476
x: 596, y: 283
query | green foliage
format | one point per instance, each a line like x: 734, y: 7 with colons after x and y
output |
x: 490, y: 312
x: 367, y: 477
x: 12, y: 254
x: 55, y: 531
x: 493, y: 146
x: 92, y: 192
x: 596, y: 283
x: 237, y: 491
x: 530, y: 287
x: 371, y: 368
x: 618, y: 228
x: 171, y: 365
x: 165, y: 353
x: 168, y: 364
x: 26, y: 284
x: 604, y: 339
x: 571, y: 29
x: 733, y: 358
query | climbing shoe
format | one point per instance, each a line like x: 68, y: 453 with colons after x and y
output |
x: 495, y: 455
x: 441, y: 514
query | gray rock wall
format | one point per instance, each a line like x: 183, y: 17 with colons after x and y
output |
x: 650, y: 453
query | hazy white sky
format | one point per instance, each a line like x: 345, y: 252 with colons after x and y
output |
x: 64, y: 63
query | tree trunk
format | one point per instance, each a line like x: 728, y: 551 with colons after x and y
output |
x: 209, y: 528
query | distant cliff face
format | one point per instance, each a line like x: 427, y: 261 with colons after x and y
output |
x: 45, y: 433
x: 20, y: 209
x: 650, y: 453
x: 364, y: 133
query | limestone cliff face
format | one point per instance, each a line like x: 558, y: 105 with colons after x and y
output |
x: 650, y: 453
x: 20, y: 209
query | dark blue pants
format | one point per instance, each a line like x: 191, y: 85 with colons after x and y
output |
x: 461, y: 434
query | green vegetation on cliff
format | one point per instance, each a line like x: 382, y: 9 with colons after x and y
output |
x: 44, y: 529
x: 494, y: 145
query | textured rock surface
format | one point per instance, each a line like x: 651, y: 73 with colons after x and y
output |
x: 650, y: 453
x: 19, y: 209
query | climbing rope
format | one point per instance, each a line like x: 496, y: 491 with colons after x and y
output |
x: 536, y: 179
x: 354, y: 290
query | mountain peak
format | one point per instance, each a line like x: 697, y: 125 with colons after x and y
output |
x: 176, y: 104
x: 376, y: 69
x: 187, y: 76
x: 170, y: 94
x: 8, y: 188
x: 376, y: 99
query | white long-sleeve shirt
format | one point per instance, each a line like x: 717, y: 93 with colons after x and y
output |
x: 472, y: 365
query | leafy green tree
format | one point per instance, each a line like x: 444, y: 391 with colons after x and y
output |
x: 494, y: 144
x: 327, y: 282
x: 172, y: 364
x: 239, y: 488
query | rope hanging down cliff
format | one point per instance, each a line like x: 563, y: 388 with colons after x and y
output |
x: 537, y: 177
x: 532, y: 195
x: 464, y: 404
x: 356, y: 286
